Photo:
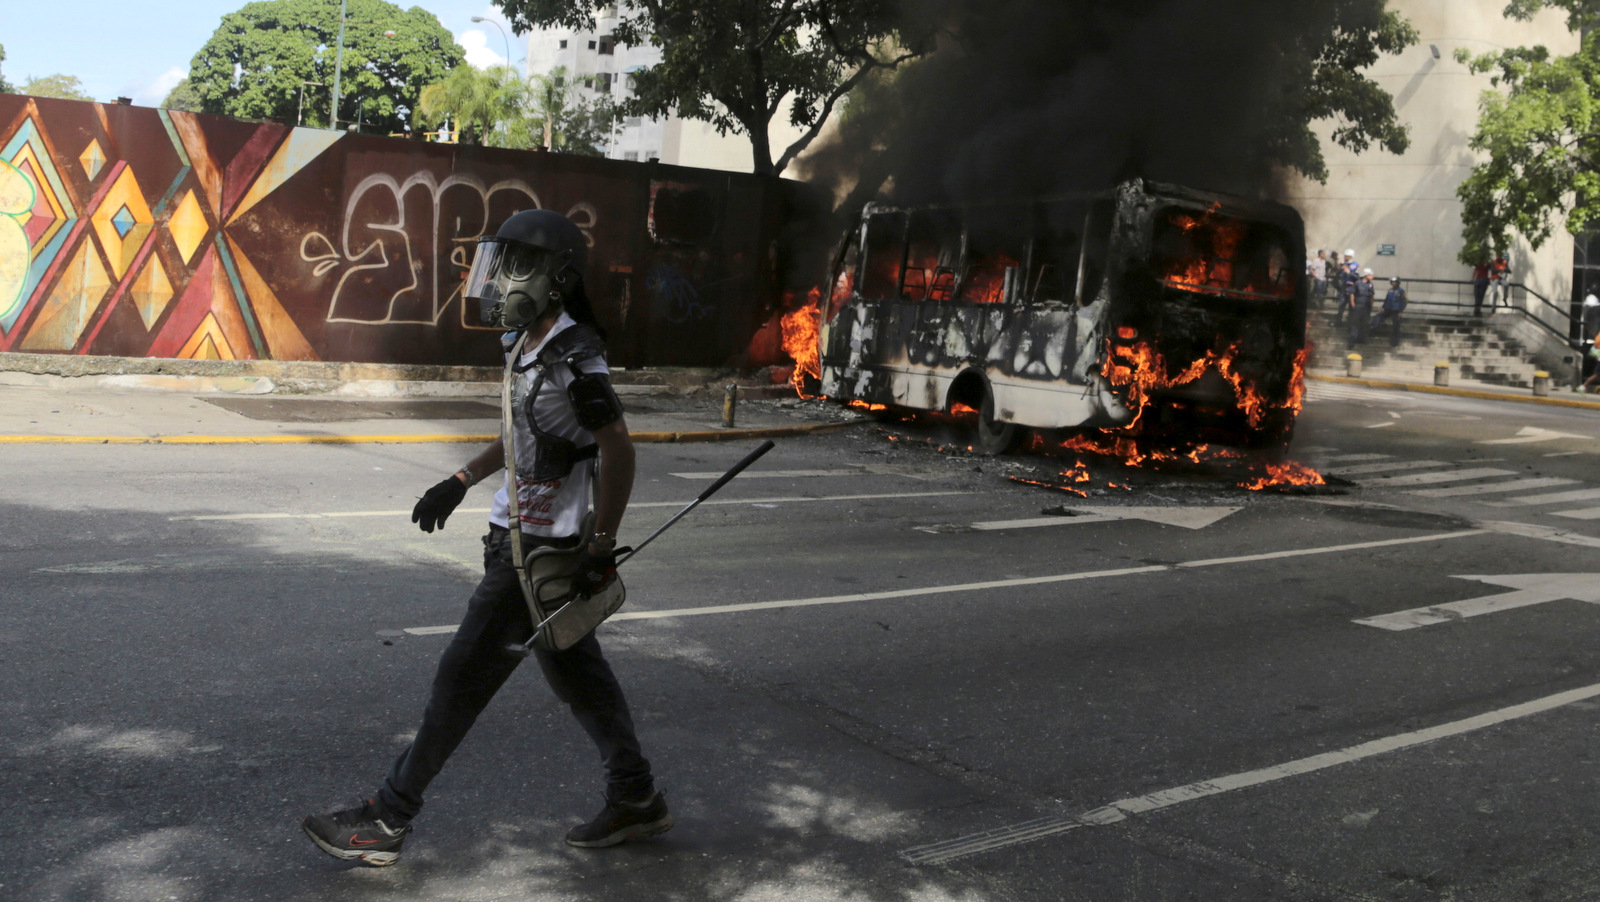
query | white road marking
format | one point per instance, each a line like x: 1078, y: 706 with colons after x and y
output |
x: 790, y: 499
x: 937, y: 853
x: 1393, y: 415
x: 1186, y: 517
x: 1550, y: 498
x: 773, y: 474
x: 1586, y: 513
x: 1003, y: 583
x: 1530, y: 434
x: 1566, y: 454
x: 1388, y: 466
x: 1543, y: 533
x: 1493, y: 488
x: 1381, y: 425
x: 1438, y: 476
x: 1531, y: 589
x: 1352, y: 458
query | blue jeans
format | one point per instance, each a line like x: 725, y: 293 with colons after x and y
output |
x: 476, y: 664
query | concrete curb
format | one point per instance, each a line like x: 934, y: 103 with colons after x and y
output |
x: 727, y: 435
x: 1457, y: 392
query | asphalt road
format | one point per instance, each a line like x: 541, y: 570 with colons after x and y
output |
x: 872, y: 670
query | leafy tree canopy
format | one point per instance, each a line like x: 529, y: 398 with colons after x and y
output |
x: 1540, y: 130
x: 259, y: 59
x: 483, y: 104
x: 739, y: 63
x: 183, y: 96
x: 5, y: 86
x: 65, y: 87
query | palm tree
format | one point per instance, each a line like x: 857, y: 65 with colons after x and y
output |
x: 481, y: 101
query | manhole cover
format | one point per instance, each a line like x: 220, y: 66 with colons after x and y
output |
x: 311, y: 410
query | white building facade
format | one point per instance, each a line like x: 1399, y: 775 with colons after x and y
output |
x: 600, y: 67
x: 1400, y: 214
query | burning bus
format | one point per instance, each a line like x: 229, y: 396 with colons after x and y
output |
x: 1164, y: 314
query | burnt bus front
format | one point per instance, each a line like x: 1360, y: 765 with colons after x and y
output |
x: 1206, y: 325
x: 1152, y: 310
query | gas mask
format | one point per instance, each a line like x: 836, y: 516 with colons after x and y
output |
x: 514, y: 283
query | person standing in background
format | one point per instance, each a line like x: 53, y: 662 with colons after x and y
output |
x: 1317, y: 269
x: 1361, y: 308
x: 1589, y: 332
x: 1480, y: 287
x: 1394, y: 304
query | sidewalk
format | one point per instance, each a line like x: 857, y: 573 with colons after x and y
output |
x: 1560, y: 396
x: 123, y: 408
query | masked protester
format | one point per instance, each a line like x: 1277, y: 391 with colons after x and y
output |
x: 569, y: 441
x: 1394, y: 304
x: 1361, y: 308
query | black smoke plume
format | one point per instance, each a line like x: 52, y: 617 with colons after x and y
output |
x: 1024, y: 98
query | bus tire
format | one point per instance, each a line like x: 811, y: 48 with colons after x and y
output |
x: 993, y: 437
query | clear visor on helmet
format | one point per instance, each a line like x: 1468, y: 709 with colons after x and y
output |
x: 499, y: 264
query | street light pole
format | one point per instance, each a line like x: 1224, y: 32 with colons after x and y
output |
x: 338, y: 63
x: 502, y: 34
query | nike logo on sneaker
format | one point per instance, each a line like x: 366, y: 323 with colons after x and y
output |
x: 356, y: 840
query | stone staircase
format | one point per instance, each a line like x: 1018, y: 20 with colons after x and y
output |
x: 1477, y: 353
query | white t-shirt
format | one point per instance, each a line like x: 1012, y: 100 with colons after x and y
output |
x: 552, y: 508
x: 1318, y: 268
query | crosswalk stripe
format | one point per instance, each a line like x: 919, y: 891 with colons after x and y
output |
x: 1587, y: 513
x: 1493, y: 488
x: 1444, y: 476
x: 1352, y: 458
x: 1390, y: 465
x: 1549, y: 498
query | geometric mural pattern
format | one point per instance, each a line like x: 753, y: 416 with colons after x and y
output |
x: 134, y: 231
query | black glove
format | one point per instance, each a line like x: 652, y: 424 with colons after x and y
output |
x: 595, y: 571
x: 438, y: 502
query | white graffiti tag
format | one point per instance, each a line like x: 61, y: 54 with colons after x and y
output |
x: 408, y: 244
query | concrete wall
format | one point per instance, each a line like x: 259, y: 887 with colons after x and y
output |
x: 1409, y: 201
x: 138, y: 232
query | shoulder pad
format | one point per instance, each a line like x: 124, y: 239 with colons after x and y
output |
x: 575, y: 343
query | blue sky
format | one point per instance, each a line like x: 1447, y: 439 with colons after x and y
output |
x: 139, y: 50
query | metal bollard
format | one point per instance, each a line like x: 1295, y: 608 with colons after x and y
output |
x: 1541, y: 384
x: 730, y: 401
x: 1441, y: 373
x: 1352, y: 365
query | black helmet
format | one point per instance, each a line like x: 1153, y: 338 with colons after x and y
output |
x: 534, y: 263
x: 548, y: 230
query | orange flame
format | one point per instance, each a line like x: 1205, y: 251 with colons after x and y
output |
x: 800, y: 330
x: 1285, y: 474
x: 960, y: 409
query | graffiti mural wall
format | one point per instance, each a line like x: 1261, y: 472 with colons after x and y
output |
x: 152, y: 233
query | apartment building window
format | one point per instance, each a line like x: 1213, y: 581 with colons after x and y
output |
x: 632, y: 155
x: 631, y: 121
x: 563, y: 44
x: 608, y: 45
x: 603, y: 84
x: 591, y: 45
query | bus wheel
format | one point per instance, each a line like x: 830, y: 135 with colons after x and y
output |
x: 993, y: 437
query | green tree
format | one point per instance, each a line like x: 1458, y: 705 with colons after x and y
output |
x: 486, y: 105
x: 561, y: 121
x: 1540, y: 132
x: 65, y: 87
x: 258, y: 61
x: 738, y: 63
x: 5, y: 86
x: 183, y: 96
